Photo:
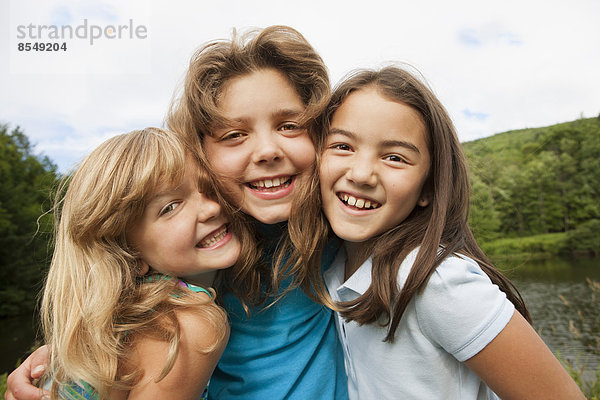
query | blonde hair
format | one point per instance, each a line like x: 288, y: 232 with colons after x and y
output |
x: 196, y: 113
x: 93, y: 305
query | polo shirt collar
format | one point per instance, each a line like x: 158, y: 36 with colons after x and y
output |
x: 360, y: 281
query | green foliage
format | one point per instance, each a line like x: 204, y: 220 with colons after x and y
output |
x: 536, y: 181
x: 591, y: 388
x: 3, y: 384
x: 25, y: 184
x: 548, y: 244
x: 585, y: 238
x: 484, y: 217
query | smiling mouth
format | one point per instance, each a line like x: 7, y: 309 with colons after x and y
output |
x: 214, y: 237
x: 270, y: 185
x: 357, y: 202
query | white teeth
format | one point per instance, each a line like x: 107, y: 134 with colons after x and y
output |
x: 214, y: 239
x: 271, y: 183
x: 358, y: 203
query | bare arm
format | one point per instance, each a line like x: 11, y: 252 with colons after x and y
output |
x: 192, y: 369
x: 517, y: 364
x: 19, y: 383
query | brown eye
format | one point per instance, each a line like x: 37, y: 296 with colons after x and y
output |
x: 288, y: 126
x: 169, y: 208
x: 395, y: 158
x: 340, y: 146
x: 232, y: 136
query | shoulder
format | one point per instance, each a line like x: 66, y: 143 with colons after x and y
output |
x: 460, y: 308
x: 203, y: 328
x: 457, y: 270
x: 454, y: 270
x: 202, y: 339
x: 458, y: 278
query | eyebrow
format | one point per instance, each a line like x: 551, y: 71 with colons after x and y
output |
x: 287, y: 112
x: 280, y: 113
x: 385, y: 143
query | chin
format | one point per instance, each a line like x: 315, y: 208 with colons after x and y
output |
x: 273, y: 217
x: 344, y: 234
x: 272, y: 220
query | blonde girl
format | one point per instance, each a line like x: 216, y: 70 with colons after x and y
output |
x: 423, y: 313
x: 253, y: 101
x: 119, y: 324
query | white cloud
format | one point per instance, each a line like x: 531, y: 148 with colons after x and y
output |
x: 496, y: 65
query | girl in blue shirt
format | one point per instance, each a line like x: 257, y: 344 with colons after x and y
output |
x: 254, y: 101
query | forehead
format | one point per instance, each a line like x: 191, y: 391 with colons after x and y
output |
x: 176, y: 174
x: 265, y: 87
x: 369, y: 115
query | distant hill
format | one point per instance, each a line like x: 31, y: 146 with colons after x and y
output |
x: 536, y: 181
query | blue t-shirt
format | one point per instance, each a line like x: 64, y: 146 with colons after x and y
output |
x: 288, y: 351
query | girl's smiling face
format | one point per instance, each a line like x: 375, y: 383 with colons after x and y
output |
x: 183, y: 233
x: 374, y: 166
x: 263, y: 153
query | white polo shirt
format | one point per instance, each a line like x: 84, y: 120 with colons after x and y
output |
x: 457, y: 315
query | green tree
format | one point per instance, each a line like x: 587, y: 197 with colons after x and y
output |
x: 483, y: 218
x: 541, y: 180
x: 26, y: 181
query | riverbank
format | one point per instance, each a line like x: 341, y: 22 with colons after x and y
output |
x: 562, y: 294
x: 584, y: 241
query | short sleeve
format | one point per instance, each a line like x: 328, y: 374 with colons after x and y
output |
x: 461, y: 310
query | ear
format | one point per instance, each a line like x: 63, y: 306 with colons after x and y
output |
x: 142, y: 268
x: 424, y: 198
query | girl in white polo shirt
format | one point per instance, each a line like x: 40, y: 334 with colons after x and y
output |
x: 422, y: 312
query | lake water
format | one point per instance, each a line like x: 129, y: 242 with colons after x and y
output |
x: 559, y: 294
x: 563, y: 297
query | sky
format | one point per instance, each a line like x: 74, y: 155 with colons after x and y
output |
x: 496, y: 65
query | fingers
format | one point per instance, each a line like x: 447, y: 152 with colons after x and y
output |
x: 39, y: 361
x: 18, y: 383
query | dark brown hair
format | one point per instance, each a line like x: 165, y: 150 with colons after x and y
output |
x: 196, y: 113
x: 443, y: 224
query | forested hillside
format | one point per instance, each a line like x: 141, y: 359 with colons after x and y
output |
x: 534, y: 186
x: 539, y: 181
x: 25, y: 185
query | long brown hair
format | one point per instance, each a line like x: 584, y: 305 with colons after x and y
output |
x: 196, y: 113
x: 441, y: 224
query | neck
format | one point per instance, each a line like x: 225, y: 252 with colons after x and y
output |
x: 357, y: 253
x: 204, y: 279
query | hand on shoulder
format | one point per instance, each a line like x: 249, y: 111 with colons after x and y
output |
x: 19, y: 383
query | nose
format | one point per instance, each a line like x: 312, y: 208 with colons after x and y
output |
x: 207, y: 208
x: 361, y: 171
x: 267, y: 147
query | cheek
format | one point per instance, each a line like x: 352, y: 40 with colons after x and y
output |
x: 326, y: 171
x: 226, y: 162
x: 303, y: 153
